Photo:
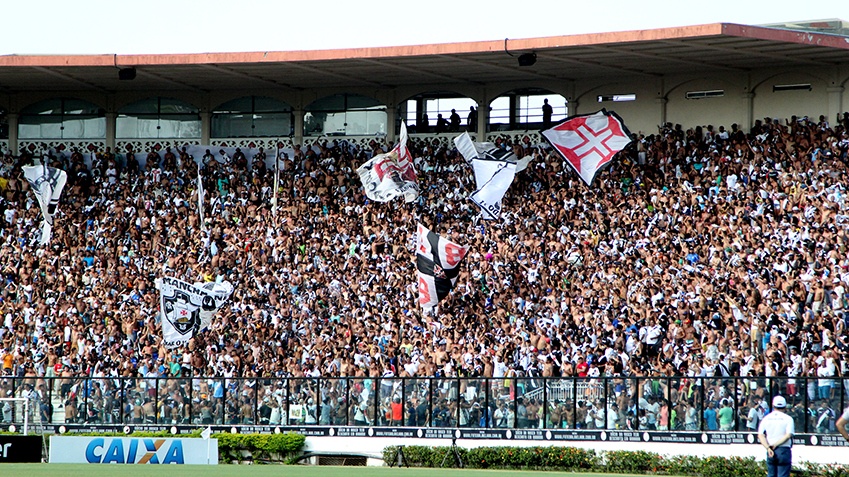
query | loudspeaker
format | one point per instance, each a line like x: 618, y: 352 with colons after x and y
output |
x: 528, y: 59
x: 130, y: 73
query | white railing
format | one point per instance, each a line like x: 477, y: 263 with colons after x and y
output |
x: 39, y: 147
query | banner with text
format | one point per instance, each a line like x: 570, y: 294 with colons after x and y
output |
x: 132, y: 450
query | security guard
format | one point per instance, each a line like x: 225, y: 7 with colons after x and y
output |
x: 775, y: 434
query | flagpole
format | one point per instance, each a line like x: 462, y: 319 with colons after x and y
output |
x: 276, y: 179
x: 200, y: 198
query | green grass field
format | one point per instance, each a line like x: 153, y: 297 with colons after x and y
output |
x: 115, y: 470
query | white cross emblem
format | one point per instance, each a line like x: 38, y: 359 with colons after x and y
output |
x: 592, y: 141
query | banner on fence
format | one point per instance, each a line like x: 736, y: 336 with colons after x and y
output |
x: 132, y: 450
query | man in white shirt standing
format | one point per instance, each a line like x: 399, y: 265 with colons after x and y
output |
x: 841, y: 424
x: 775, y: 433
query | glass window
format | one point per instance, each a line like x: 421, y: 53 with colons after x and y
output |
x: 345, y: 115
x: 531, y: 108
x: 62, y: 118
x: 4, y: 124
x: 500, y: 110
x: 523, y: 108
x: 433, y: 107
x: 252, y: 116
x: 154, y: 118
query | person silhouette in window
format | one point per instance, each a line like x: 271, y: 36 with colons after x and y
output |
x: 472, y: 119
x: 441, y: 124
x: 547, y: 112
x: 424, y: 124
x: 454, y: 121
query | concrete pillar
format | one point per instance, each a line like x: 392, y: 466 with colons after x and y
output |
x: 205, y: 127
x: 835, y: 104
x: 572, y: 108
x: 482, y: 127
x: 749, y: 109
x: 391, y: 118
x: 662, y: 102
x: 111, y: 122
x: 298, y: 137
x: 12, y: 119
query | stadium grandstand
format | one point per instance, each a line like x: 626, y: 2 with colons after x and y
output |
x: 704, y: 271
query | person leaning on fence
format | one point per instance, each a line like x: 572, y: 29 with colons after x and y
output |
x: 775, y: 433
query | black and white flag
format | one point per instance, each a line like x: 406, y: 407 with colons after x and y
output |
x: 438, y: 263
x: 47, y: 184
x: 392, y: 174
x: 188, y: 309
x: 494, y: 169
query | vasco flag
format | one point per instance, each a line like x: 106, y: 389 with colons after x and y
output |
x: 488, y: 197
x: 494, y: 169
x: 389, y: 175
x: 47, y: 184
x: 187, y: 309
x: 589, y: 142
x: 438, y: 263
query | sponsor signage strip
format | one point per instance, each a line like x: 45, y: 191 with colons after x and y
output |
x: 132, y: 450
x: 494, y: 433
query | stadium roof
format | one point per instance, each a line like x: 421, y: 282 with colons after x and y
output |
x: 719, y: 47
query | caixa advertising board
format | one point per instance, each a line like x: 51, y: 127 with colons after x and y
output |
x: 132, y: 450
x: 20, y: 448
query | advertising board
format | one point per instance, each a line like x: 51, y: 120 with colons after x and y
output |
x: 132, y: 450
x: 20, y: 449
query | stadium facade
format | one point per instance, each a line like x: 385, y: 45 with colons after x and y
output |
x: 719, y: 74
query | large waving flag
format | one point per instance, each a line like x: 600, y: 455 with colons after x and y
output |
x: 438, y: 263
x: 389, y: 175
x: 47, y: 184
x: 494, y: 169
x: 188, y: 309
x: 588, y: 142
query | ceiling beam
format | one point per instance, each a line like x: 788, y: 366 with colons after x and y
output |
x: 525, y: 71
x: 158, y: 77
x: 239, y: 74
x: 665, y: 58
x: 597, y: 64
x: 415, y: 71
x: 780, y: 59
x: 341, y: 76
x: 67, y: 77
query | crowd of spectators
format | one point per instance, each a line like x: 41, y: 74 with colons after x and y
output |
x: 702, y: 252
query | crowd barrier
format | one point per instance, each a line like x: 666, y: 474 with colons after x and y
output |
x: 604, y: 403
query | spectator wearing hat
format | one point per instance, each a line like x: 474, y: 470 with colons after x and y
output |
x: 775, y: 433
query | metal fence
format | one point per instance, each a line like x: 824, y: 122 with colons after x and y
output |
x: 609, y: 403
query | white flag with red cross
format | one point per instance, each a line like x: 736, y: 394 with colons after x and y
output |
x: 589, y: 142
